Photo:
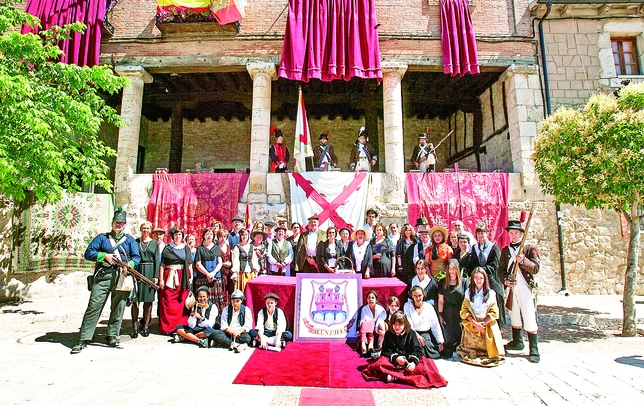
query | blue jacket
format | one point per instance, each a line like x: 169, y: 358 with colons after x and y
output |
x: 101, y: 245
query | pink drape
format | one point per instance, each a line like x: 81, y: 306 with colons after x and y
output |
x: 475, y: 198
x: 458, y: 39
x: 193, y: 201
x: 82, y: 48
x: 330, y: 39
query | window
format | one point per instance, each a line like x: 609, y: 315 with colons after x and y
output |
x: 625, y: 56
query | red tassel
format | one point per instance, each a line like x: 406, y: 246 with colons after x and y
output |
x: 273, y: 129
x: 327, y: 132
x: 524, y: 216
x: 427, y: 130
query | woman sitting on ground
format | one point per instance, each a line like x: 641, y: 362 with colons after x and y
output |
x: 371, y: 323
x: 402, y: 358
x: 481, y: 343
x: 424, y: 321
x: 201, y: 323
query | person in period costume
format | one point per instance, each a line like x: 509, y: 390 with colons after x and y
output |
x: 439, y: 253
x: 269, y: 230
x: 371, y: 324
x: 201, y: 322
x: 306, y: 250
x: 245, y: 264
x: 159, y: 235
x: 464, y: 255
x: 383, y: 251
x: 236, y: 322
x: 424, y: 157
x: 328, y: 252
x: 524, y: 312
x: 402, y: 358
x: 148, y: 267
x: 481, y: 341
x: 394, y: 233
x: 361, y: 253
x: 362, y: 156
x: 175, y: 283
x: 233, y: 235
x: 459, y: 227
x: 226, y: 266
x: 372, y: 220
x: 486, y: 254
x: 425, y: 280
x: 421, y: 222
x: 424, y: 246
x: 345, y: 249
x: 405, y: 254
x: 104, y: 250
x: 209, y: 267
x: 280, y: 254
x: 424, y: 321
x: 260, y: 250
x: 271, y: 328
x: 278, y: 152
x: 324, y: 154
x: 191, y: 242
x: 451, y: 293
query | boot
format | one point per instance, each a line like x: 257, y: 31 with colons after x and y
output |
x: 517, y: 340
x: 534, y: 350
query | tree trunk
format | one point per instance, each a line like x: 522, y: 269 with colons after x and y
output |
x: 629, y: 326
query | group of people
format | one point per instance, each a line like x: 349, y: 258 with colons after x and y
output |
x: 455, y: 285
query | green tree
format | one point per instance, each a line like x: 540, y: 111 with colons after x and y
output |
x: 594, y: 158
x: 50, y: 112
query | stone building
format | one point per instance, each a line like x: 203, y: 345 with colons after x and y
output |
x: 204, y: 94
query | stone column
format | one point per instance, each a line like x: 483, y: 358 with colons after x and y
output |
x: 394, y: 179
x: 128, y: 143
x: 525, y: 111
x: 260, y: 139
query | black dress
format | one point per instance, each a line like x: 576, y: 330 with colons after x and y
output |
x: 452, y: 301
x: 148, y: 267
x: 405, y: 250
x: 382, y: 265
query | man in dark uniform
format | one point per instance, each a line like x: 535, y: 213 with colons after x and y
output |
x: 486, y: 254
x: 279, y: 152
x: 423, y: 158
x: 104, y: 250
x: 362, y: 157
x: 324, y: 155
x: 524, y: 312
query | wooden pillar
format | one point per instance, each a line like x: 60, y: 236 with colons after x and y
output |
x: 371, y: 125
x: 176, y: 139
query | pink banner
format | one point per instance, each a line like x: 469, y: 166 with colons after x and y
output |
x: 193, y: 201
x: 458, y: 39
x: 475, y: 198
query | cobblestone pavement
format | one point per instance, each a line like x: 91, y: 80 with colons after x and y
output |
x: 580, y: 365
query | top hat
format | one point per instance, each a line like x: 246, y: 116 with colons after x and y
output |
x: 422, y: 136
x: 514, y: 225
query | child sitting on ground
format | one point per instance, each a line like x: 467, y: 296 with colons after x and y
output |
x: 270, y: 332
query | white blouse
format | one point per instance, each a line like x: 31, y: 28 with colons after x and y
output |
x: 425, y: 321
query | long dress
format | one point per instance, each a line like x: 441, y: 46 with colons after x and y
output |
x: 405, y: 250
x: 382, y: 265
x: 452, y: 303
x: 484, y: 348
x: 172, y: 298
x: 210, y: 258
x: 148, y: 268
x: 424, y: 375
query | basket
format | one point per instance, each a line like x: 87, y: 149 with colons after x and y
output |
x: 345, y: 271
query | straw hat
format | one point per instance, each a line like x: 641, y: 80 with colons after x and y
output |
x: 442, y: 230
x: 367, y: 234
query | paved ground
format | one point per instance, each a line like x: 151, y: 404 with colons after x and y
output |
x: 581, y: 364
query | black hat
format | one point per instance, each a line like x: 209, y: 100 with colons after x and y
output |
x: 514, y: 225
x: 313, y: 217
x: 269, y: 223
x: 344, y: 228
x: 119, y: 216
x: 175, y: 230
x: 276, y: 132
x: 237, y: 219
x: 421, y: 221
x: 272, y: 296
x: 323, y: 137
x: 422, y: 136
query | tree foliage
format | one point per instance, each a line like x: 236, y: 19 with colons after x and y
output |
x: 50, y: 112
x: 594, y: 158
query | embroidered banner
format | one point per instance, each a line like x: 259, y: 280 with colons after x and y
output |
x: 336, y: 198
x: 458, y: 39
x: 193, y: 201
x: 475, y: 198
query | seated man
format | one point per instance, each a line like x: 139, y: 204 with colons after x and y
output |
x: 236, y: 322
x: 270, y: 332
x: 201, y: 322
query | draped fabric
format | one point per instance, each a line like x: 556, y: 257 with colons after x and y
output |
x: 330, y: 39
x: 82, y: 48
x: 458, y: 39
x: 475, y: 198
x: 193, y: 201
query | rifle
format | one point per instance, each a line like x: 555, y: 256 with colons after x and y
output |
x: 515, y: 267
x: 441, y: 141
x: 136, y: 273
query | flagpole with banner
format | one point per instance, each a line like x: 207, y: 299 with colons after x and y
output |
x: 249, y: 220
x: 302, y: 148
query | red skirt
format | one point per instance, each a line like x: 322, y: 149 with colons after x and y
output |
x: 172, y: 308
x: 425, y: 375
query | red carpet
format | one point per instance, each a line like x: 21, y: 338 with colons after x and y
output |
x: 327, y: 365
x: 324, y: 397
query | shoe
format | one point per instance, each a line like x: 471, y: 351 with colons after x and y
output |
x: 128, y: 302
x: 177, y: 338
x: 389, y: 379
x: 203, y: 343
x: 134, y: 334
x: 534, y: 349
x: 80, y: 346
x: 283, y: 344
x: 517, y: 341
x: 240, y: 348
x: 375, y: 354
x: 145, y: 332
x: 112, y: 341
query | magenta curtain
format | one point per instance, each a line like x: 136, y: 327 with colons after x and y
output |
x: 458, y: 39
x: 82, y: 48
x: 330, y: 39
x: 193, y: 201
x: 475, y: 198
